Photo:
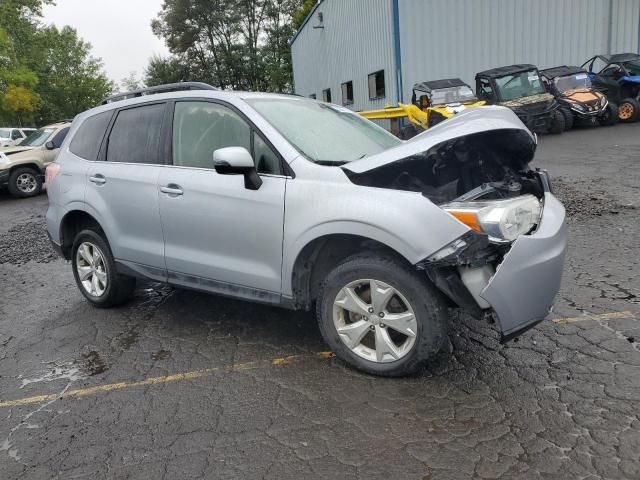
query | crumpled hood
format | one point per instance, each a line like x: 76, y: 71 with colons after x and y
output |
x: 488, y: 119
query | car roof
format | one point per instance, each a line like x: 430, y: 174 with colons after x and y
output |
x: 508, y: 70
x: 438, y: 84
x: 561, y: 71
x: 619, y: 57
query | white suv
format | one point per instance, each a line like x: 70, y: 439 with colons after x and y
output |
x: 289, y: 201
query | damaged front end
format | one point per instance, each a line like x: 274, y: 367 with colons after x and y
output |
x: 509, y: 263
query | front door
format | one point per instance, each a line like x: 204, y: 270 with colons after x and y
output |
x: 220, y: 236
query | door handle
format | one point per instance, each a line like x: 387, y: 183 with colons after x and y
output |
x: 172, y: 190
x: 98, y: 179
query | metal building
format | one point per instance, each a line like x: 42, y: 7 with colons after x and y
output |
x: 368, y: 53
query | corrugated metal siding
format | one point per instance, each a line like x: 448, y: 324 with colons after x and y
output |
x: 458, y: 38
x: 454, y: 38
x: 356, y: 40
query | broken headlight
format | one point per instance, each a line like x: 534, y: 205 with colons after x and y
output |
x: 503, y: 220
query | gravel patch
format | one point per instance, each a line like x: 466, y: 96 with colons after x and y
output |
x: 588, y: 199
x: 25, y: 243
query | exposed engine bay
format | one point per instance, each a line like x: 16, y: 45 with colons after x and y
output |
x: 485, y: 165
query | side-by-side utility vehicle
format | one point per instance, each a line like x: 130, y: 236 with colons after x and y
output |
x: 581, y: 103
x: 520, y: 88
x: 225, y: 192
x: 618, y: 77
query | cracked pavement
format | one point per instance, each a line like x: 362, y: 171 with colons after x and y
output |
x: 562, y: 402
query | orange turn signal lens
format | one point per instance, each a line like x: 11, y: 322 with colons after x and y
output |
x: 470, y: 219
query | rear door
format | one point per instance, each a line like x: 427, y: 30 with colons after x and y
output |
x: 122, y: 187
x: 219, y: 235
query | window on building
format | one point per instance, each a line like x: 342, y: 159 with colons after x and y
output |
x: 347, y: 93
x: 326, y: 95
x: 312, y: 96
x: 135, y: 136
x: 87, y: 140
x: 376, y: 85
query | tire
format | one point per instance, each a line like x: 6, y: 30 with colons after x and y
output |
x: 409, y: 131
x: 412, y: 295
x: 610, y: 117
x: 117, y: 288
x: 568, y: 118
x: 25, y: 182
x: 557, y: 122
x: 628, y: 110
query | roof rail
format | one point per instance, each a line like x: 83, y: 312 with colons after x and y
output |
x: 169, y: 87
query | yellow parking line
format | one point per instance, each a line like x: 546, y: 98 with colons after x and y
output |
x: 586, y: 316
x: 84, y: 392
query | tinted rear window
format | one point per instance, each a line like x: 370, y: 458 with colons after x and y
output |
x: 86, y: 142
x: 135, y: 136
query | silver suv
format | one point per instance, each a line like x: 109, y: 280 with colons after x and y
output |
x: 292, y: 202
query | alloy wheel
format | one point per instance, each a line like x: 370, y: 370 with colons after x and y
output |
x: 625, y: 111
x: 26, y: 182
x: 92, y: 269
x: 375, y: 321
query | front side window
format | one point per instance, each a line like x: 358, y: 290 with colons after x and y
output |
x: 135, y: 136
x: 87, y: 140
x: 376, y: 85
x: 5, y: 133
x: 37, y: 138
x: 200, y: 128
x: 332, y: 135
x: 266, y: 159
x: 16, y: 135
x: 59, y: 137
x: 518, y: 85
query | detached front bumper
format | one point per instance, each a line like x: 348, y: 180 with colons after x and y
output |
x: 523, y: 288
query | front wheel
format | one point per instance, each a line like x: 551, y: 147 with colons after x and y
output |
x: 610, y: 115
x: 25, y: 182
x: 629, y: 110
x: 568, y: 117
x: 558, y: 124
x: 95, y: 271
x: 380, y: 316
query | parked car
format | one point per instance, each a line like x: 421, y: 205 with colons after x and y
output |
x: 13, y: 136
x: 520, y: 88
x: 22, y: 167
x: 224, y: 192
x: 618, y: 77
x: 580, y: 101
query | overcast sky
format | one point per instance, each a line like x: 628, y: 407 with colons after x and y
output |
x: 118, y: 30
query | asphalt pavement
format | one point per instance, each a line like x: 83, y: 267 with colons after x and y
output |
x: 180, y: 385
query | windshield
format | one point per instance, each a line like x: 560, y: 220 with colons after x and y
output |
x: 522, y: 84
x: 572, y: 82
x: 325, y: 134
x: 633, y: 67
x: 452, y: 95
x: 5, y: 133
x: 37, y: 138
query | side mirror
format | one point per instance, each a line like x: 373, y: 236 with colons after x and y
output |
x: 236, y: 161
x: 50, y: 146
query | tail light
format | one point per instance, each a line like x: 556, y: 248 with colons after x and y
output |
x: 50, y: 173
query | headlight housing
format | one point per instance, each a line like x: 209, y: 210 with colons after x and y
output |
x: 503, y: 220
x: 603, y: 102
x: 577, y: 107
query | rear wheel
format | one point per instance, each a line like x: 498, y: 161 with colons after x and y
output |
x: 610, y: 115
x: 95, y: 271
x: 380, y: 316
x: 25, y: 182
x: 568, y: 117
x: 557, y: 122
x: 628, y: 110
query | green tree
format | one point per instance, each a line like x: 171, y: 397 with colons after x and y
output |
x: 163, y: 70
x: 301, y: 13
x: 71, y: 80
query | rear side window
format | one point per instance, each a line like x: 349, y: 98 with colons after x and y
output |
x: 86, y: 141
x: 135, y: 136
